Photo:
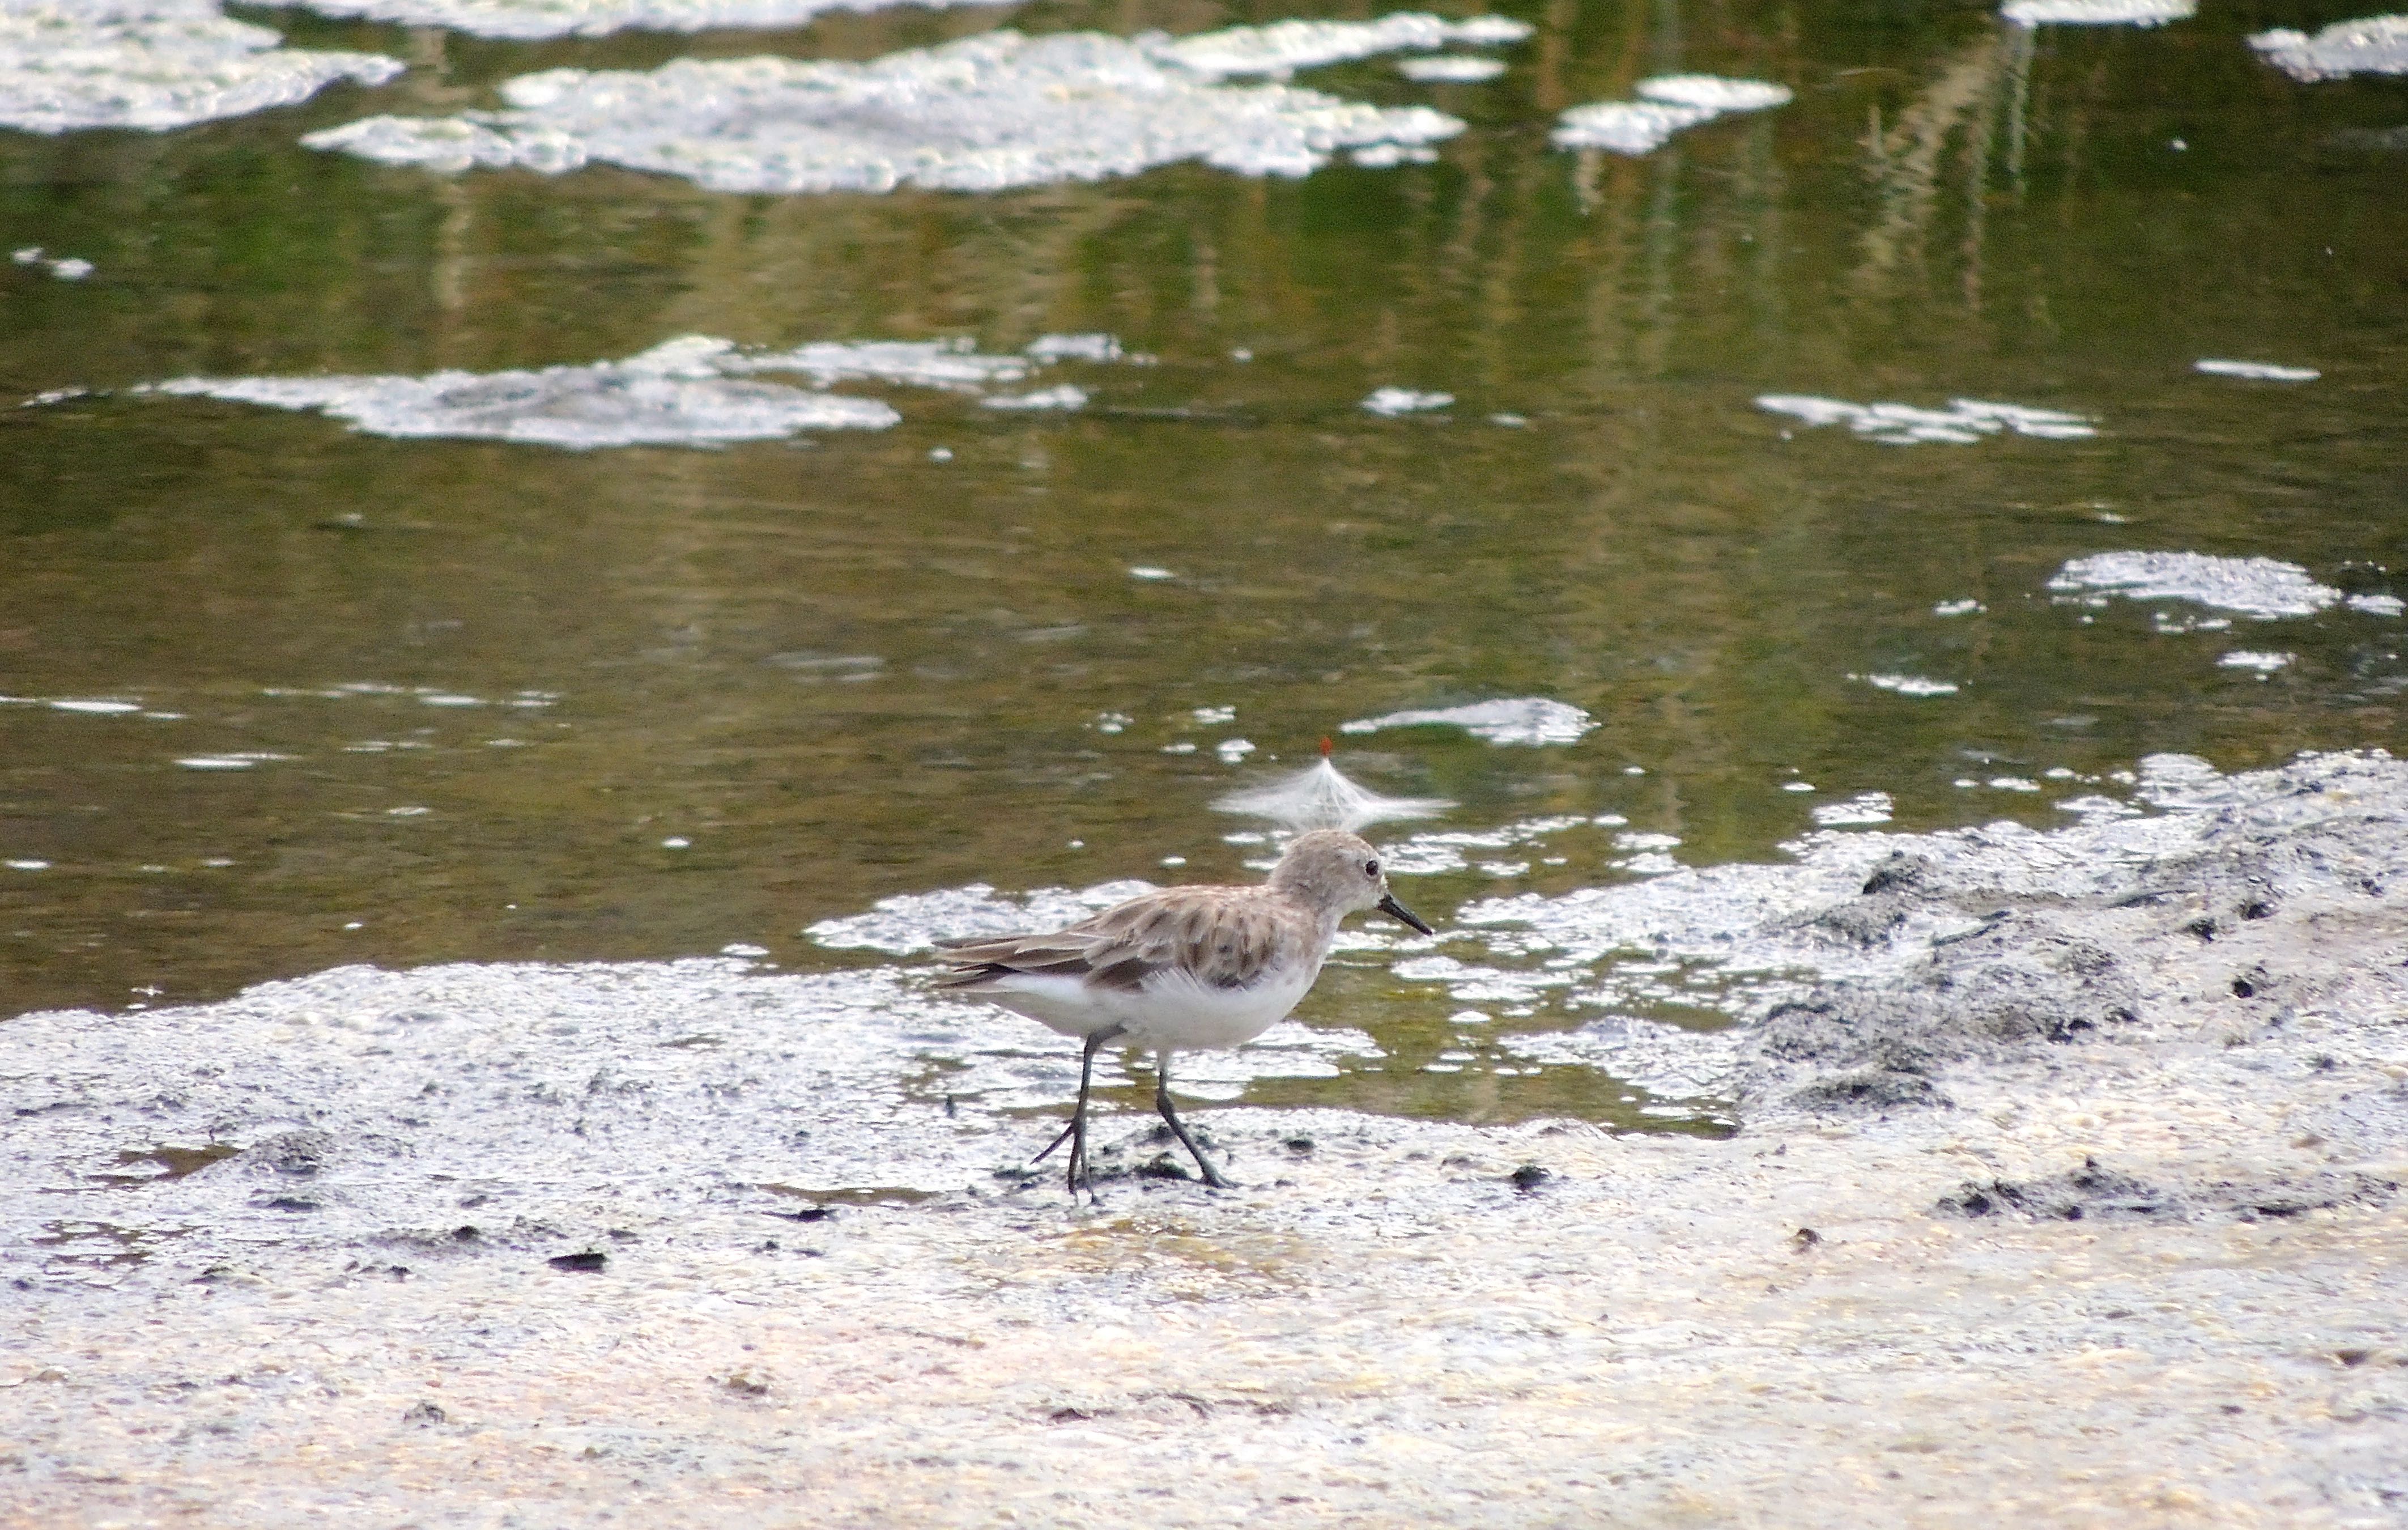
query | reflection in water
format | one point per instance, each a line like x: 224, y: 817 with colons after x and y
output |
x: 1903, y: 161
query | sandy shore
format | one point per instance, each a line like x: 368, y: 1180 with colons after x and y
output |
x: 2072, y: 1198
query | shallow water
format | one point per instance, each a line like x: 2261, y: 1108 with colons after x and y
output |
x: 287, y: 695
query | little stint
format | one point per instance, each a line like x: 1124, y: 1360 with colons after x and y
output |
x: 1186, y: 967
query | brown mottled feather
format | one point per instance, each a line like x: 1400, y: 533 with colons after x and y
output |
x: 1229, y: 942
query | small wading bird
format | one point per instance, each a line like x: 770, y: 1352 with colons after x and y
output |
x: 1186, y: 966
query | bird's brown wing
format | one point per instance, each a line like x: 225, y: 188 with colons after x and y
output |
x: 1227, y: 943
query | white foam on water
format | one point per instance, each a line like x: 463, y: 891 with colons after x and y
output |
x: 1908, y: 685
x: 1469, y: 984
x: 2378, y: 604
x: 2375, y: 45
x: 1451, y: 69
x: 2096, y: 806
x: 1625, y: 127
x: 1666, y: 104
x: 955, y: 363
x: 524, y: 20
x: 2098, y: 12
x: 2256, y: 371
x: 2264, y: 664
x: 983, y: 114
x: 1958, y: 607
x: 228, y: 762
x: 1281, y: 48
x: 1084, y: 348
x: 604, y: 403
x: 1964, y: 422
x: 1523, y: 719
x: 1065, y: 397
x: 1735, y: 937
x: 1863, y: 809
x: 154, y: 64
x: 1320, y: 797
x: 1392, y: 401
x: 425, y: 694
x: 1433, y: 852
x: 1714, y: 93
x: 1388, y: 156
x: 697, y: 390
x: 1669, y: 1062
x: 2263, y: 588
x: 66, y: 268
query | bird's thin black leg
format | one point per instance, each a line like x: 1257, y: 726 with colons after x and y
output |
x: 1059, y: 1137
x: 1077, y: 1130
x: 1162, y: 1103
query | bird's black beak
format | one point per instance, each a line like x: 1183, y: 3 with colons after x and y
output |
x: 1402, y: 915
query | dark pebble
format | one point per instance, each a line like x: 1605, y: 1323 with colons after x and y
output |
x: 1529, y: 1176
x: 424, y: 1412
x: 587, y: 1261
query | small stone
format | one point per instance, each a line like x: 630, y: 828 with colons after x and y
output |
x: 587, y: 1262
x: 1529, y: 1176
x: 423, y: 1412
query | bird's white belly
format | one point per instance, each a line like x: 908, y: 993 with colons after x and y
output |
x: 1171, y: 1010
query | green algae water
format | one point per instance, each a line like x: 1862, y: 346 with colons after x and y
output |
x: 284, y: 695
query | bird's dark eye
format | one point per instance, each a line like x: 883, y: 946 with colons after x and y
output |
x: 1370, y: 868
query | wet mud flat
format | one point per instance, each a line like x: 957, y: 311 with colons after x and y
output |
x: 2071, y: 1194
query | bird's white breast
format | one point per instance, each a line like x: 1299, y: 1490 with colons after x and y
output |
x: 1171, y: 1009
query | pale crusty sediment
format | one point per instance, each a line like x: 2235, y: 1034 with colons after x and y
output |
x: 1872, y: 1304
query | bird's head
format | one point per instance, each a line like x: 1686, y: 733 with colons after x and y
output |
x: 1334, y: 870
